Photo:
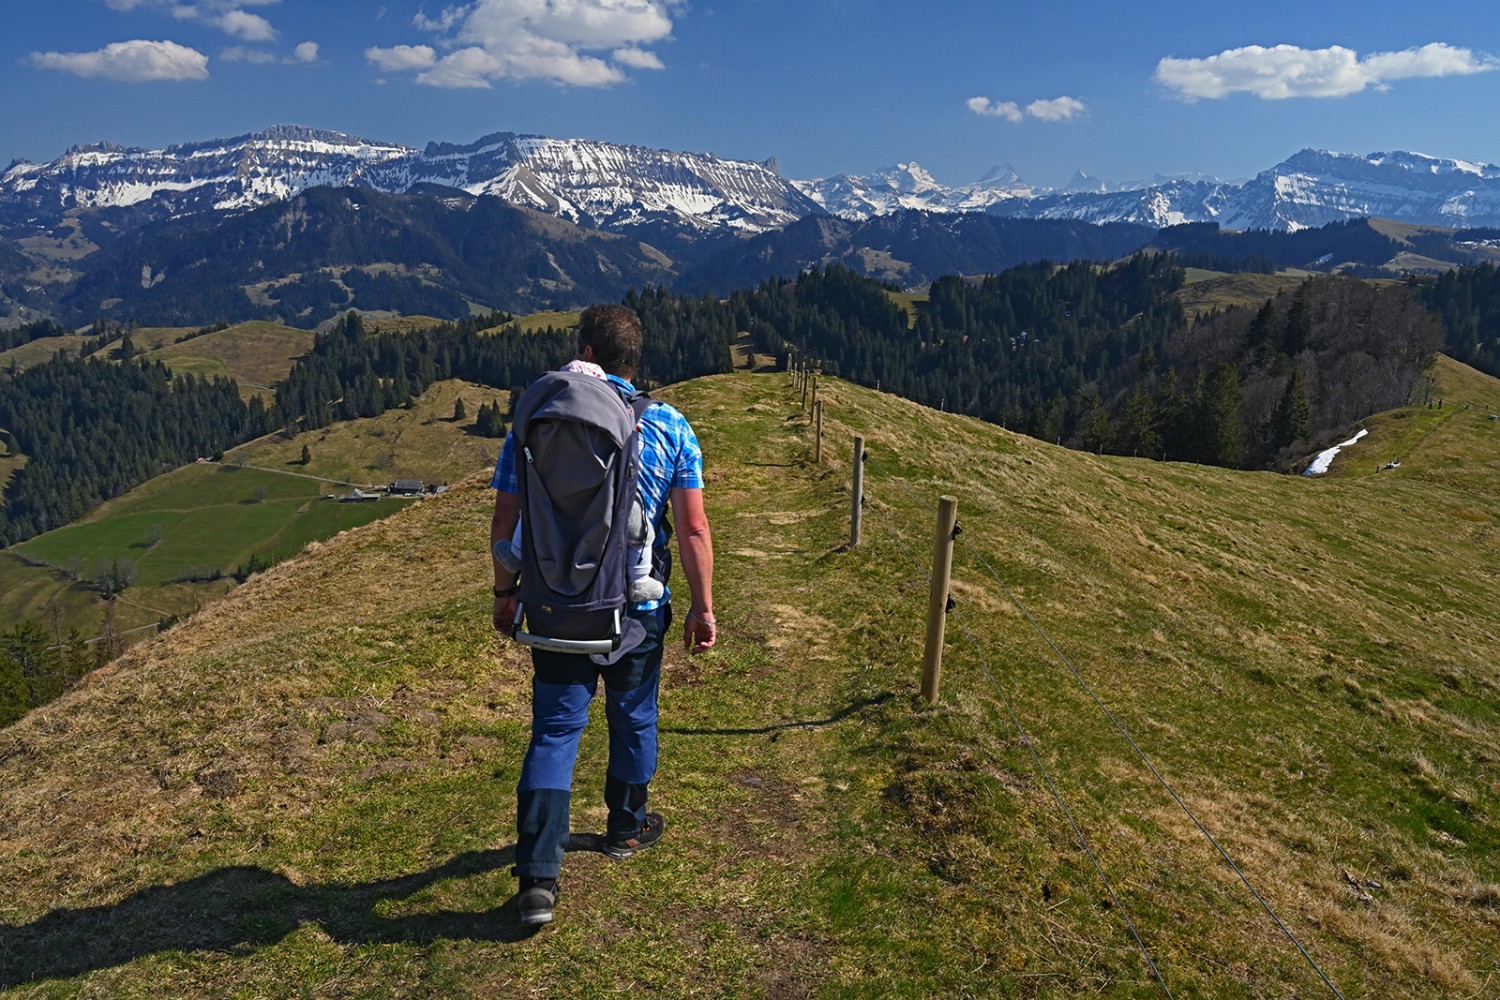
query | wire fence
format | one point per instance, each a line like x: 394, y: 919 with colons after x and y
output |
x: 885, y: 477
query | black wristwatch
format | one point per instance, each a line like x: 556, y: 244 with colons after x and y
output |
x: 510, y: 591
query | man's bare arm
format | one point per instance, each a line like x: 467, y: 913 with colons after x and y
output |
x: 695, y: 543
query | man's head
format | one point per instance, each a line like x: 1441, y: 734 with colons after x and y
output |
x: 613, y: 334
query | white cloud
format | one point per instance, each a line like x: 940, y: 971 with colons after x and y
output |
x: 450, y: 18
x: 986, y: 108
x: 401, y: 57
x: 305, y: 52
x: 137, y: 61
x: 638, y: 59
x: 229, y: 16
x: 245, y: 26
x: 1057, y: 109
x: 1284, y: 71
x: 588, y: 43
x: 470, y: 67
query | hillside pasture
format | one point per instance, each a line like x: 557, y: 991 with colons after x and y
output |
x: 37, y: 351
x: 257, y: 355
x: 1205, y: 291
x: 325, y: 760
x: 420, y: 443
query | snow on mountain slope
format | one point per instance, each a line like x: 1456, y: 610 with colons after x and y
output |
x: 609, y: 184
x: 908, y: 186
x: 222, y: 174
x: 1309, y: 189
x: 614, y: 186
x: 578, y: 180
x: 1315, y: 187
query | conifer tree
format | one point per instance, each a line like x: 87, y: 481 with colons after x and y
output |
x: 1289, y: 422
x: 1223, y: 429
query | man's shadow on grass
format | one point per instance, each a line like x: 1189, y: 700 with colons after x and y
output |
x: 838, y: 716
x: 238, y: 909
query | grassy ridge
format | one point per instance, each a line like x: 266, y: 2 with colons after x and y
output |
x: 257, y: 355
x: 307, y: 788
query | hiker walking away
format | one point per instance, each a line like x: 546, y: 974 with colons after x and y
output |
x: 563, y: 684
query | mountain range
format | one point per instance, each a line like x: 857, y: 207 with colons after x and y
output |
x: 612, y: 186
x: 237, y: 227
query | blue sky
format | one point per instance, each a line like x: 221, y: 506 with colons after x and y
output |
x: 1121, y: 91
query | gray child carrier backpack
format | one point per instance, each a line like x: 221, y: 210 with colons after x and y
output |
x: 576, y: 461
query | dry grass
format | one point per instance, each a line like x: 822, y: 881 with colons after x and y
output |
x: 423, y: 442
x: 257, y: 355
x: 306, y: 788
x: 1207, y: 290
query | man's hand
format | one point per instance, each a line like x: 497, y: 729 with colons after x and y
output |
x: 699, y: 632
x: 505, y: 615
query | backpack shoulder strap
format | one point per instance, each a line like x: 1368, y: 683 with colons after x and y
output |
x: 638, y: 401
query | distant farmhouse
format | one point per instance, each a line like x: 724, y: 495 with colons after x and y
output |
x: 405, y: 487
x: 358, y: 495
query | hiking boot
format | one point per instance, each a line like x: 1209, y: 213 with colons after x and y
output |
x: 538, y: 897
x: 621, y: 845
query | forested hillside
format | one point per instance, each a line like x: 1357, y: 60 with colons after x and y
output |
x: 1468, y: 300
x: 96, y: 428
x: 93, y: 429
x: 1104, y: 359
x: 310, y: 258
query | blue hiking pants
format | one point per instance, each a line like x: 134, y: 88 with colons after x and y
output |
x: 562, y: 686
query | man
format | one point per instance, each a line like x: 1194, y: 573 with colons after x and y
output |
x: 563, y: 684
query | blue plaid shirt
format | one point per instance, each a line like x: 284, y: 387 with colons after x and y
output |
x: 670, y: 459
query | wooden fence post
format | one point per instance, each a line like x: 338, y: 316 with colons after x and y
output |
x: 818, y: 419
x: 858, y: 489
x: 937, y: 598
x: 814, y: 396
x: 804, y: 388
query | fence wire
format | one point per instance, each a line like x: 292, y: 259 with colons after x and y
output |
x: 1027, y: 741
x: 887, y: 476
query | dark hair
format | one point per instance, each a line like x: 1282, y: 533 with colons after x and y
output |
x: 614, y: 332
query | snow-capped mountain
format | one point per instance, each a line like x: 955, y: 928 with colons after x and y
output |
x: 612, y: 186
x: 226, y: 175
x: 908, y: 186
x: 1309, y: 189
x: 1315, y: 187
x: 609, y: 185
x: 580, y: 180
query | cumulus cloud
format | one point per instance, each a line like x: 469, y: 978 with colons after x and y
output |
x: 244, y: 25
x: 588, y: 43
x: 1058, y: 109
x: 137, y: 61
x: 401, y: 57
x: 471, y: 67
x: 638, y: 59
x: 305, y: 52
x: 986, y: 108
x: 1283, y: 71
x: 229, y: 16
